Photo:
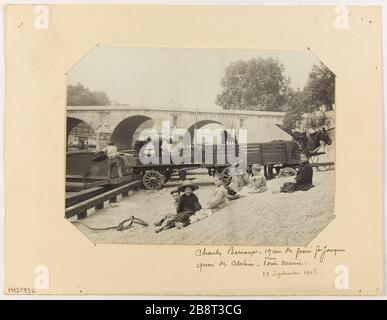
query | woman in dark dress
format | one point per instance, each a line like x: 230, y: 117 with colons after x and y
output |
x: 304, y: 178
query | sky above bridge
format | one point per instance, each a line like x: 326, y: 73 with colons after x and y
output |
x: 175, y: 78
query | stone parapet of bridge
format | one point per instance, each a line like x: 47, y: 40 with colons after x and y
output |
x: 119, y: 123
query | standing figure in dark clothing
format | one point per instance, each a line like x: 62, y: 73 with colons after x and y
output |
x: 303, y: 180
x: 188, y: 204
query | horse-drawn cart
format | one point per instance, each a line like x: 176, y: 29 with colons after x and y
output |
x: 280, y: 158
x: 283, y: 156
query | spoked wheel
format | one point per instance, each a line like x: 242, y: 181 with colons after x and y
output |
x: 153, y: 180
x: 287, y: 172
x: 226, y: 174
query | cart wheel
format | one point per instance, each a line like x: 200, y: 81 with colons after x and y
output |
x: 226, y: 176
x: 287, y: 172
x: 153, y: 180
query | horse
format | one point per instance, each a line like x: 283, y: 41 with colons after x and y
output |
x: 310, y: 144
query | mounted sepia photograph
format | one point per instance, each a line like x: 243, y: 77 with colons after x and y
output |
x: 193, y: 150
x: 200, y: 146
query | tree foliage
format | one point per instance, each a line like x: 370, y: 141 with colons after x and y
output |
x: 295, y: 108
x: 320, y: 88
x: 78, y: 95
x: 255, y: 84
x: 319, y: 91
x: 261, y: 84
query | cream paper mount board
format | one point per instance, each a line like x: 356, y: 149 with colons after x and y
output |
x: 45, y: 254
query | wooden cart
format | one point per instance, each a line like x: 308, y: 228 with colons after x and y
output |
x: 282, y: 156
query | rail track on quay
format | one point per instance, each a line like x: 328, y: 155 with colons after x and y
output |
x: 78, y: 203
x: 85, y: 194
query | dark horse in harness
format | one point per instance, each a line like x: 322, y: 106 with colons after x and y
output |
x: 310, y: 145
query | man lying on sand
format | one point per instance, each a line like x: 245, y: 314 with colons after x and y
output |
x: 217, y: 201
x: 164, y: 223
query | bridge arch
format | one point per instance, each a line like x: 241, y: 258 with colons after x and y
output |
x: 123, y: 134
x: 202, y: 123
x: 79, y: 134
x: 71, y: 124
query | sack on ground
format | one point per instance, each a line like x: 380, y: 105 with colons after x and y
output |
x: 288, y: 187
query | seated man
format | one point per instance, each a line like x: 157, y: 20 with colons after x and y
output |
x: 217, y: 201
x: 257, y: 182
x: 166, y: 148
x: 303, y: 180
x: 178, y: 147
x: 149, y: 148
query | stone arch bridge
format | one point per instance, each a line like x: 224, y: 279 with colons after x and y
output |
x: 119, y: 123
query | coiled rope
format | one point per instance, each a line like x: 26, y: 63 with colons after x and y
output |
x: 120, y: 227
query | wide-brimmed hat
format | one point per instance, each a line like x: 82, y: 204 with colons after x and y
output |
x: 186, y: 184
x: 256, y: 167
x: 236, y: 164
x: 238, y: 168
